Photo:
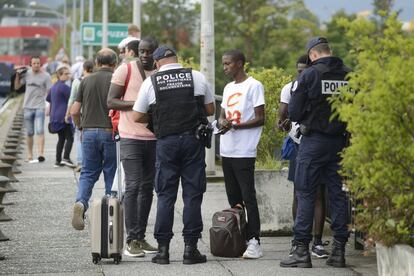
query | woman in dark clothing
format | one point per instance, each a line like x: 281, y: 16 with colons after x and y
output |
x: 58, y: 99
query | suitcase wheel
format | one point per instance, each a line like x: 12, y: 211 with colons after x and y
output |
x: 96, y: 259
x: 117, y: 259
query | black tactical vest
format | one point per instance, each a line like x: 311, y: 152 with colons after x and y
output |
x: 176, y: 109
x: 319, y: 118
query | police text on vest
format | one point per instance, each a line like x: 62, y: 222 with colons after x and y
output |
x: 332, y: 86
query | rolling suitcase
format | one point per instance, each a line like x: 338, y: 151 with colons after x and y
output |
x: 107, y: 222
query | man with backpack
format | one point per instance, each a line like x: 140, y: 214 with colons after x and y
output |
x: 137, y: 144
x: 241, y: 121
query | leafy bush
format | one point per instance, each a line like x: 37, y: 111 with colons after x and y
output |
x: 273, y: 80
x: 379, y: 162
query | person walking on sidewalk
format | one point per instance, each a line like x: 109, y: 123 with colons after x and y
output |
x: 137, y: 145
x: 87, y: 70
x: 284, y: 124
x: 38, y: 84
x: 58, y: 98
x: 98, y: 145
x: 323, y: 138
x: 241, y: 121
x: 180, y: 98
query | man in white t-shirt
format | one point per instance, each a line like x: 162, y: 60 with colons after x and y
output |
x: 284, y: 124
x: 241, y: 121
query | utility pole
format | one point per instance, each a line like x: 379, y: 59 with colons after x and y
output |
x: 104, y: 23
x: 65, y: 11
x: 90, y: 49
x: 207, y: 66
x: 81, y: 11
x: 73, y: 46
x: 136, y: 13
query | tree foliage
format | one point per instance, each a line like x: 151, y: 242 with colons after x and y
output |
x: 273, y: 80
x: 338, y: 42
x: 269, y: 32
x: 380, y: 117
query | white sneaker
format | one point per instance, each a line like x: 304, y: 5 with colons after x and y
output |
x: 253, y: 251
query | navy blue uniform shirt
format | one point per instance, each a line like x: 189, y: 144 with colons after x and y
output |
x: 308, y: 87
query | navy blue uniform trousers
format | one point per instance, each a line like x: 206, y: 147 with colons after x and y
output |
x: 179, y: 157
x: 318, y: 161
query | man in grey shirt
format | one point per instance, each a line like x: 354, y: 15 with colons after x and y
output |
x: 98, y: 145
x: 38, y: 84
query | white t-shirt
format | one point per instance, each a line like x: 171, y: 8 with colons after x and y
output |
x: 239, y: 101
x: 285, y: 93
x: 146, y: 95
x: 285, y: 98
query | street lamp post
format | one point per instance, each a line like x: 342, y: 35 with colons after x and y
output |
x: 207, y: 65
x: 81, y: 11
x: 136, y: 13
x: 65, y: 10
x: 90, y: 49
x: 73, y: 49
x: 104, y: 23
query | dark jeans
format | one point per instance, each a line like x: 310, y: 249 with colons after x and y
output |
x: 179, y: 157
x: 138, y: 160
x: 318, y: 158
x: 65, y: 135
x: 240, y: 189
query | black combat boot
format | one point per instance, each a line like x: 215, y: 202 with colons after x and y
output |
x: 337, y: 257
x: 162, y: 257
x: 300, y: 257
x: 192, y: 255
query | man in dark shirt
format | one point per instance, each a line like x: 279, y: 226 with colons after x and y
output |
x: 98, y: 146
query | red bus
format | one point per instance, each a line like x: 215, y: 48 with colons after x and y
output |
x: 19, y: 43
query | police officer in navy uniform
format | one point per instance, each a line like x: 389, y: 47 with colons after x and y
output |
x: 323, y: 138
x: 179, y: 100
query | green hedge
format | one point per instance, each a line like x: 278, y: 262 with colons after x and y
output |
x: 380, y: 160
x: 273, y: 80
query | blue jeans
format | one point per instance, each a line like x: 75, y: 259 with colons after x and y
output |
x: 99, y: 154
x: 34, y: 121
x: 179, y: 157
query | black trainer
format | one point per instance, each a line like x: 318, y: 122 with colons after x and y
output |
x: 58, y: 164
x: 337, y: 257
x: 193, y: 256
x: 300, y: 257
x: 318, y: 251
x: 163, y: 256
x: 68, y: 163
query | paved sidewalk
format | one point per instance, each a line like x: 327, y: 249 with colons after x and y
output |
x: 42, y: 240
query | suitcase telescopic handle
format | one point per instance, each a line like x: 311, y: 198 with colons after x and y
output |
x: 111, y: 233
x: 118, y: 165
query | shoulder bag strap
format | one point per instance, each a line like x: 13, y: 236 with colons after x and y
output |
x: 141, y: 69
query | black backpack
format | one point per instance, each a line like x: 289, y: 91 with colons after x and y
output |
x: 228, y: 233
